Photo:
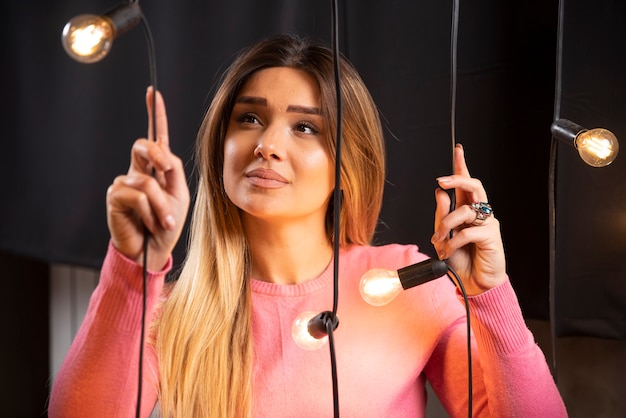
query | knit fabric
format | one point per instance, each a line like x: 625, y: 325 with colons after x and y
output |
x: 384, y: 354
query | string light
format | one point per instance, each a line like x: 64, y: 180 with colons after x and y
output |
x: 378, y: 286
x: 309, y: 330
x: 321, y: 325
x: 88, y: 38
x: 597, y: 147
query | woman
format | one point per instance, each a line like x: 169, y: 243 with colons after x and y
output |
x: 261, y: 252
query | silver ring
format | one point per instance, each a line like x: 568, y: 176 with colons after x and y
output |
x: 483, y: 211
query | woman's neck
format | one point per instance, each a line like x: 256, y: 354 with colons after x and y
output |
x: 287, y: 253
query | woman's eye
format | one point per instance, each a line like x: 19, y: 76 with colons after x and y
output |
x: 248, y: 118
x: 306, y: 128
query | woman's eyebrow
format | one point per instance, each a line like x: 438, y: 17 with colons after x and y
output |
x: 252, y: 100
x: 260, y: 101
x: 303, y: 109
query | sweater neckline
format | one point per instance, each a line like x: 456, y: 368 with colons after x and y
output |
x: 300, y: 289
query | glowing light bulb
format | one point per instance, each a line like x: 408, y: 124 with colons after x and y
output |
x: 88, y: 38
x: 597, y: 147
x: 378, y: 286
x: 301, y: 334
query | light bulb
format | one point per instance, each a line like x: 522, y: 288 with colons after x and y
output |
x: 378, y: 286
x: 597, y: 147
x: 88, y: 38
x: 301, y: 334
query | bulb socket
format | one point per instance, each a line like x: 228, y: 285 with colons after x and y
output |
x: 318, y: 325
x: 124, y: 17
x: 421, y: 272
x: 566, y: 130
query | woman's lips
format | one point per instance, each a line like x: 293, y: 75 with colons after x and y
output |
x: 263, y: 177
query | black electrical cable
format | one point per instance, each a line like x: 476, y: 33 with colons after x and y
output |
x: 337, y: 191
x: 337, y: 194
x: 454, y: 35
x: 146, y: 239
x: 333, y: 367
x: 551, y: 186
x: 470, y: 389
x: 453, y: 88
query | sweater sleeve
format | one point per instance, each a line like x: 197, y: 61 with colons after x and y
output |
x: 99, y: 375
x: 510, y: 374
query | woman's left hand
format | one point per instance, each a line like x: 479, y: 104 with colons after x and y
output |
x: 474, y: 249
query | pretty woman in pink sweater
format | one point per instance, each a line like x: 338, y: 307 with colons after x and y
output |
x: 261, y: 253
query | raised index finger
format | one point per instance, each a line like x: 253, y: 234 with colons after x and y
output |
x: 467, y: 189
x: 160, y: 115
x: 460, y: 166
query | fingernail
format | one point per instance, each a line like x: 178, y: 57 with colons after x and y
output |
x: 170, y: 222
x: 444, y: 179
x: 435, y: 238
x: 442, y: 255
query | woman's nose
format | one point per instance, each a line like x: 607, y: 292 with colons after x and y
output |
x: 270, y: 145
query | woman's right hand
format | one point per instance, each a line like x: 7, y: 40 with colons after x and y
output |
x: 159, y: 201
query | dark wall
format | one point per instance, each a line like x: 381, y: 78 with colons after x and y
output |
x: 68, y: 127
x: 72, y: 125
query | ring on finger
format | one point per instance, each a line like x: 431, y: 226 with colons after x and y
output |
x: 483, y: 211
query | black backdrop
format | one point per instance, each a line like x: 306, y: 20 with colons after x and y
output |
x: 591, y: 202
x: 68, y: 127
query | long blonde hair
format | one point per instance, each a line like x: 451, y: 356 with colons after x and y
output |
x: 203, y: 333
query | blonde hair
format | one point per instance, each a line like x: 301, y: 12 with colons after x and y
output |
x: 203, y: 333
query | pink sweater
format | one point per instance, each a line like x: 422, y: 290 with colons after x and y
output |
x: 384, y: 354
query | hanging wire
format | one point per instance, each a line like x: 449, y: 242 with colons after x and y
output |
x: 337, y: 194
x: 454, y: 35
x: 470, y: 390
x: 146, y: 239
x: 552, y: 186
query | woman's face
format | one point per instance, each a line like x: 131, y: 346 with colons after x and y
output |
x: 276, y: 163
